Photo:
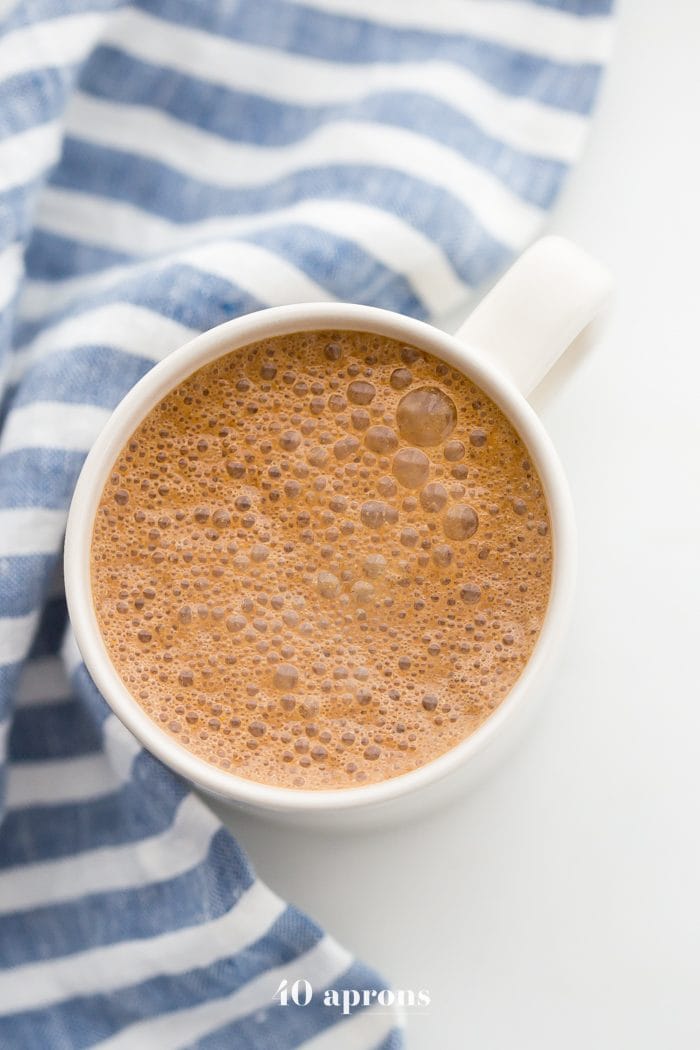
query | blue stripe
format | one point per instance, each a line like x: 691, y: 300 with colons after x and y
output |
x: 582, y: 8
x: 205, y: 892
x: 394, y: 1041
x: 158, y: 189
x: 7, y: 316
x: 33, y: 98
x: 23, y: 582
x: 318, y: 34
x: 48, y: 477
x: 82, y: 1021
x: 145, y: 806
x: 9, y: 678
x: 242, y: 117
x: 103, y: 371
x: 51, y: 630
x: 95, y: 704
x: 40, y: 10
x: 51, y: 731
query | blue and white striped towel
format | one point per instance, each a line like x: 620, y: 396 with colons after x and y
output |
x: 166, y: 165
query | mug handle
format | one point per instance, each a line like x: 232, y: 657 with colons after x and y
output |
x: 537, y: 309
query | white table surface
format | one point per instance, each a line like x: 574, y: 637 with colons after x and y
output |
x: 559, y: 906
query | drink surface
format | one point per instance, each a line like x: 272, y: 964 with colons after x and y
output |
x: 322, y: 560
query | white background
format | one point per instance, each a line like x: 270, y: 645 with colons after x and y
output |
x: 558, y: 907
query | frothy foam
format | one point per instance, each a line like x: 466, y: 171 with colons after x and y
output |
x: 322, y: 561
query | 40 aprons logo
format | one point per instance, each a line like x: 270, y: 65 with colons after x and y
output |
x: 302, y: 993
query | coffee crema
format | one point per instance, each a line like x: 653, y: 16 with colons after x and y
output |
x: 322, y: 560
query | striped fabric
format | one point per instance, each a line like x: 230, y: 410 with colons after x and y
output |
x: 166, y: 165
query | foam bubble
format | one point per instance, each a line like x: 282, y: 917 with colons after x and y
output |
x: 433, y: 497
x: 328, y: 585
x: 361, y: 392
x: 454, y: 450
x: 346, y: 446
x: 400, y: 378
x: 374, y: 565
x: 443, y: 555
x: 460, y: 522
x: 290, y: 440
x: 381, y: 439
x: 286, y: 676
x: 373, y: 513
x: 411, y: 467
x: 470, y: 593
x: 426, y: 416
x: 362, y: 592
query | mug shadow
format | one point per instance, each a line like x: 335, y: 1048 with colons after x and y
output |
x: 561, y: 373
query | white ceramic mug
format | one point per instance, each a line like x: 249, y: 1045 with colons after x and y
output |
x: 505, y: 347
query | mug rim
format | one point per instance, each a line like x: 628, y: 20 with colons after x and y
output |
x: 229, y: 337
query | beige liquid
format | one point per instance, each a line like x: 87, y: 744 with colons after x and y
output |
x: 322, y: 560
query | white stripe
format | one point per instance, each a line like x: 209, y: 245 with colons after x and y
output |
x: 4, y: 733
x: 271, y: 279
x: 288, y: 78
x: 121, y: 747
x: 49, y: 43
x: 171, y: 853
x: 213, y: 160
x: 70, y: 654
x: 555, y: 34
x: 320, y: 966
x: 124, y: 227
x: 11, y: 272
x: 58, y: 781
x: 53, y: 424
x: 26, y: 155
x: 43, y: 681
x: 104, y: 970
x: 16, y: 633
x: 30, y: 530
x: 82, y: 779
x: 132, y: 329
x: 364, y: 1029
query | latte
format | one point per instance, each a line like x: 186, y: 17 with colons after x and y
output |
x: 322, y: 560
